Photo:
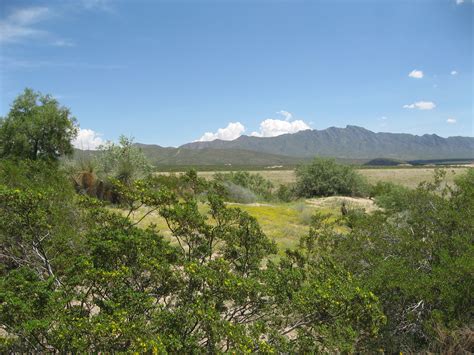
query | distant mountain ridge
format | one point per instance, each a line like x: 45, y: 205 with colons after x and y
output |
x: 351, y: 142
x: 170, y: 156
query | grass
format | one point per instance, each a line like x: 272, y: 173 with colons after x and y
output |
x: 409, y: 177
x: 283, y: 222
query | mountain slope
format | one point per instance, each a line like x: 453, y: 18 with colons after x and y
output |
x: 351, y: 142
x: 168, y: 156
x: 181, y: 156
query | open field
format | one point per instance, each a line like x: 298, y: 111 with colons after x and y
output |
x: 285, y: 223
x: 409, y: 177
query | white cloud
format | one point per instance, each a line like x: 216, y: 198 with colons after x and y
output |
x: 29, y: 15
x: 19, y: 24
x: 421, y: 105
x: 384, y: 118
x: 87, y: 139
x: 231, y: 132
x: 454, y: 72
x: 416, y: 74
x: 22, y: 24
x: 268, y: 128
x: 288, y: 115
x: 451, y: 120
x: 272, y: 128
x: 459, y: 2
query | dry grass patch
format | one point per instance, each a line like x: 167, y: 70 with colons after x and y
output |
x: 409, y: 177
x: 335, y: 202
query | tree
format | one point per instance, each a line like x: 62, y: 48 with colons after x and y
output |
x: 37, y: 127
x: 325, y: 177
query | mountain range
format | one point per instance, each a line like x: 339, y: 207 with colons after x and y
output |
x: 349, y: 144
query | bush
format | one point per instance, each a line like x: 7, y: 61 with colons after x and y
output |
x: 286, y: 193
x: 389, y: 195
x: 417, y: 257
x: 325, y: 177
x: 254, y: 183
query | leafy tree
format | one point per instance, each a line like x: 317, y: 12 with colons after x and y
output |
x: 325, y: 177
x: 37, y: 127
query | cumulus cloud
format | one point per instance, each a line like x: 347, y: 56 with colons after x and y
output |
x: 87, y: 139
x: 451, y: 120
x: 271, y: 127
x: 268, y: 128
x: 416, y: 74
x: 454, y: 72
x: 459, y: 2
x: 274, y: 127
x: 421, y: 105
x: 231, y: 132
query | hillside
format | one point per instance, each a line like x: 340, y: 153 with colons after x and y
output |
x: 352, y: 142
x: 169, y: 156
x: 182, y: 156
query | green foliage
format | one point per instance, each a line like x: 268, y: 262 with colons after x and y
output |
x: 417, y: 257
x: 123, y: 161
x: 77, y: 277
x: 286, y: 193
x: 389, y: 195
x: 37, y: 127
x: 325, y: 177
x: 245, y: 187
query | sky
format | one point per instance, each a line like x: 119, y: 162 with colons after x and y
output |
x: 172, y: 72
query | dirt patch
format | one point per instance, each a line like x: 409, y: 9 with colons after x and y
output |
x: 336, y: 202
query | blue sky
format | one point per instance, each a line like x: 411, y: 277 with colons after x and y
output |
x: 167, y: 72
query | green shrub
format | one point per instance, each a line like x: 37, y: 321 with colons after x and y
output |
x: 325, y: 177
x: 389, y: 195
x: 286, y: 193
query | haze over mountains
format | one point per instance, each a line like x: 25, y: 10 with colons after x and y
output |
x: 351, y: 143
